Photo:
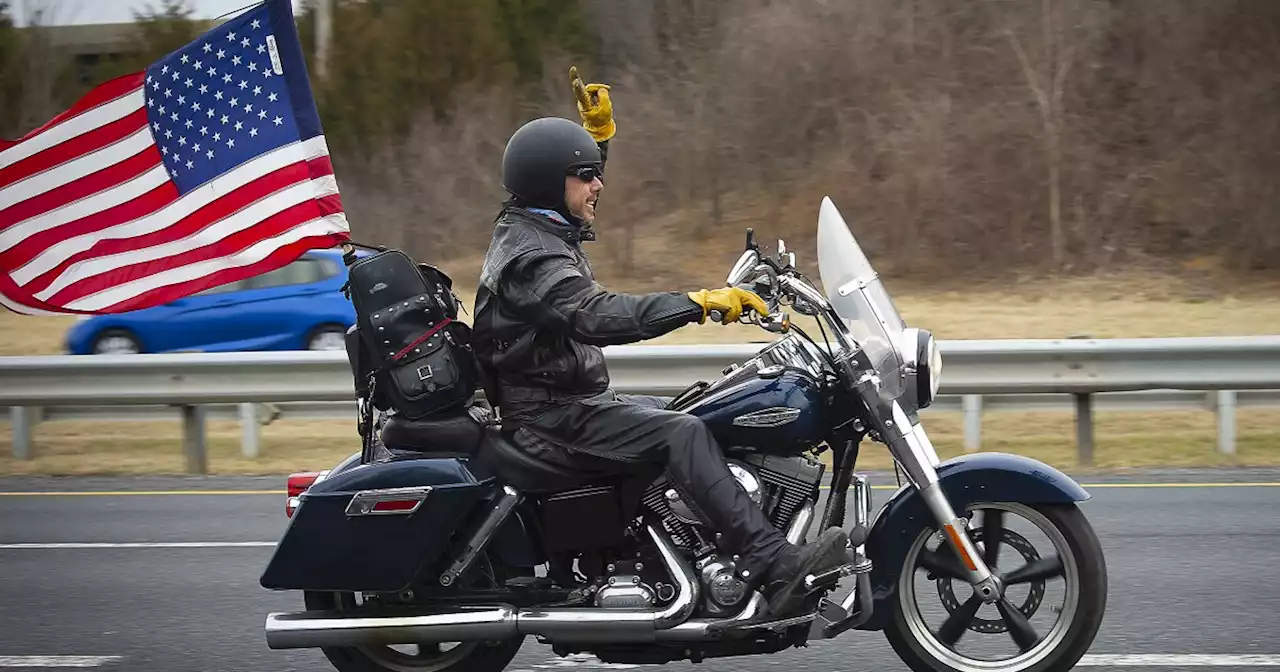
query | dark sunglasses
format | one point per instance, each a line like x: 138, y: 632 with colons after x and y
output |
x: 586, y: 173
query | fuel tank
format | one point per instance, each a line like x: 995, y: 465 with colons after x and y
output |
x: 773, y: 403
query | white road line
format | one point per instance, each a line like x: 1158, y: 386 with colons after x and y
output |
x: 1179, y: 660
x: 57, y: 661
x: 146, y: 544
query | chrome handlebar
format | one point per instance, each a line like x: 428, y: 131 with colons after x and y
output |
x: 775, y: 280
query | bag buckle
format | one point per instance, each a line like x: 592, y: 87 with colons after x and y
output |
x: 427, y: 374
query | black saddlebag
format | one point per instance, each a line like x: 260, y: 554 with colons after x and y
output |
x: 375, y: 527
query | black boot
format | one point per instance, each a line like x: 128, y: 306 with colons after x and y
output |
x: 783, y: 584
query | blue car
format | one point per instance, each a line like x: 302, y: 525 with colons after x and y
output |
x: 296, y: 307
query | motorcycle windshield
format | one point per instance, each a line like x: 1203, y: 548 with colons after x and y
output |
x: 859, y: 297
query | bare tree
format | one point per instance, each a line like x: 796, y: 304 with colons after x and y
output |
x: 1046, y: 81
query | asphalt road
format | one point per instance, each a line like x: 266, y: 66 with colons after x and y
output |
x: 1193, y: 571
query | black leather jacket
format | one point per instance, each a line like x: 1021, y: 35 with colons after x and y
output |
x: 541, y: 318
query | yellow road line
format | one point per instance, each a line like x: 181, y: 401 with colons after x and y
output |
x: 1183, y: 485
x: 128, y: 493
x: 169, y: 493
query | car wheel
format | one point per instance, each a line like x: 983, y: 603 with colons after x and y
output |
x: 329, y: 337
x: 116, y: 342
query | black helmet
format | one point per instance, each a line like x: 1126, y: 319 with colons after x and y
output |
x: 540, y: 154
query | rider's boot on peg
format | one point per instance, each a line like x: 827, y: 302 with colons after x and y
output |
x: 783, y: 583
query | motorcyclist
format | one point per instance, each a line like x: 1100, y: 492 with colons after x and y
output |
x: 541, y: 320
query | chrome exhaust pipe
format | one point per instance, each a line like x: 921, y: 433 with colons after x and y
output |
x: 311, y: 629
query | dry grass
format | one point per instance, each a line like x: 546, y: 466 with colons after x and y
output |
x: 1124, y: 440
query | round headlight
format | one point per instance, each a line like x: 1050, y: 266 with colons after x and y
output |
x: 922, y: 357
x: 935, y: 368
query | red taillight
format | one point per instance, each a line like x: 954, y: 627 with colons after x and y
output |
x: 298, y: 484
x: 397, y: 505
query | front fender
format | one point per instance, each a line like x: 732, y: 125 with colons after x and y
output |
x: 966, y: 480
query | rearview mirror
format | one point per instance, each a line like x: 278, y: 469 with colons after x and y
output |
x: 785, y: 259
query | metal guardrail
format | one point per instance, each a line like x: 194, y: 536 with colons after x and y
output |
x: 978, y: 375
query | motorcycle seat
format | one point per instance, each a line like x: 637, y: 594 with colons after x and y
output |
x: 453, y: 432
x: 501, y: 458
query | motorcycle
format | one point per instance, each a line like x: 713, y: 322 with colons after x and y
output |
x: 446, y: 554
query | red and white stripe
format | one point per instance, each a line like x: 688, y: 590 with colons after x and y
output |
x: 90, y: 221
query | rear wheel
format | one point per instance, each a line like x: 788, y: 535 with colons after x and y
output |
x: 486, y: 656
x: 1055, y: 595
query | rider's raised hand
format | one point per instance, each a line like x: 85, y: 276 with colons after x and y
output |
x: 729, y: 302
x: 594, y: 107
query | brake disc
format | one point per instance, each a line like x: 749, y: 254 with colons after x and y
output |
x: 946, y: 591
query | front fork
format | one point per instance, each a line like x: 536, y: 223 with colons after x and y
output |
x: 912, y: 449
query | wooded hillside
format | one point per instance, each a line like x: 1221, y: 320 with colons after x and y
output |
x: 980, y: 138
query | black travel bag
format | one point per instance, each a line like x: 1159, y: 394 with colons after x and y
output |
x: 412, y: 355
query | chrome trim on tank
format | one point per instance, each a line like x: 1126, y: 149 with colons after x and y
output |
x: 768, y: 417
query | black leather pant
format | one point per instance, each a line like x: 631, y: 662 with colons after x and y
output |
x: 623, y: 433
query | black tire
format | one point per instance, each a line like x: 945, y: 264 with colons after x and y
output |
x: 489, y: 656
x: 1091, y: 572
x: 110, y: 340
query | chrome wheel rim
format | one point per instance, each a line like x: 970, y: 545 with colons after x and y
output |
x: 328, y: 340
x: 116, y: 345
x: 931, y: 638
x: 410, y: 657
x: 425, y: 658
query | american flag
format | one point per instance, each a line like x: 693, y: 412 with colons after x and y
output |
x: 207, y: 168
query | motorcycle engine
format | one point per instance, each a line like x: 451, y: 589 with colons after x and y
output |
x: 779, y: 485
x: 746, y: 480
x: 626, y: 589
x: 724, y: 590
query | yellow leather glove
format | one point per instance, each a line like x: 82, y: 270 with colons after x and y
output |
x: 729, y: 301
x: 594, y: 107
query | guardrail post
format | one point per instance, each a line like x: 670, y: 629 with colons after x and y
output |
x: 1226, y: 412
x: 1084, y: 429
x: 22, y: 419
x: 972, y: 406
x: 193, y: 439
x: 249, y: 435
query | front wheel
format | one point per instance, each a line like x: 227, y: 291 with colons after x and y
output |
x: 1055, y: 580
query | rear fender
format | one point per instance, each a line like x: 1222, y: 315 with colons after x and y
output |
x: 966, y: 480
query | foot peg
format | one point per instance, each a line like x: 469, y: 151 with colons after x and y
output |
x: 838, y: 618
x: 828, y: 579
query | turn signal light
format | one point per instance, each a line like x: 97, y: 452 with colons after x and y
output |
x: 298, y: 484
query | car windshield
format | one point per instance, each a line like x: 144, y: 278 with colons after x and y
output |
x: 859, y: 297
